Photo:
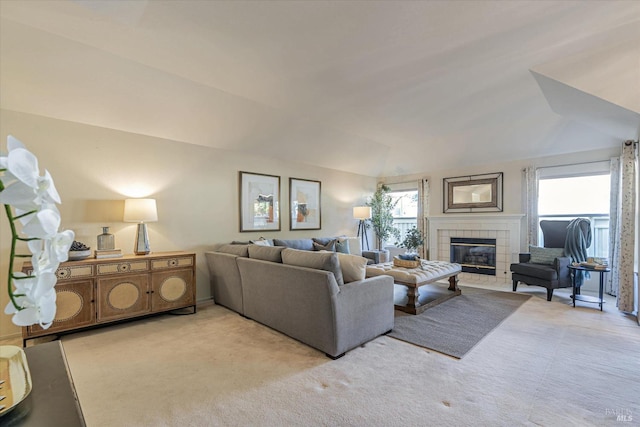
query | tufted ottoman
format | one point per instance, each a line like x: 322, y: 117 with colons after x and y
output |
x: 413, y: 278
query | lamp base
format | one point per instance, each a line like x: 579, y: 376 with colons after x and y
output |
x: 362, y: 233
x: 141, y: 246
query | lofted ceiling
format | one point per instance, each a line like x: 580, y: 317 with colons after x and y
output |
x: 378, y: 88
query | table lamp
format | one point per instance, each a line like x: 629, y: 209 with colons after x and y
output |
x: 362, y: 214
x: 141, y: 211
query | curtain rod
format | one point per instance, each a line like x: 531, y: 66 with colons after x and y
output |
x: 572, y: 164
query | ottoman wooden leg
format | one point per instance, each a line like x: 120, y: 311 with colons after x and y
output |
x: 412, y: 303
x: 453, y: 283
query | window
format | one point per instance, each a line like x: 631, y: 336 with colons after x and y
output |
x: 405, y: 213
x: 584, y: 196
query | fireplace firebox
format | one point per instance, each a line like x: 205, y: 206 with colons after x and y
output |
x: 474, y: 255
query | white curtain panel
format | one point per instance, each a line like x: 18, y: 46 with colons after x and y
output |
x: 423, y: 213
x: 623, y: 268
x: 531, y: 198
x: 612, y: 279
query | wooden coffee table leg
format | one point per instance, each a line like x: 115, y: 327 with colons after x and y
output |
x: 412, y: 303
x: 453, y: 283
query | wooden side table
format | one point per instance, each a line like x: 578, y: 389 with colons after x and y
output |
x: 586, y: 298
x: 53, y: 400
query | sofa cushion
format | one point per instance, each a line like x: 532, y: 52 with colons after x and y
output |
x: 353, y: 267
x: 302, y: 244
x: 239, y: 250
x: 544, y: 255
x: 327, y: 261
x: 266, y: 253
x: 329, y: 246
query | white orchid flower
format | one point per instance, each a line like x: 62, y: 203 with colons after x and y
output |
x: 13, y: 143
x: 36, y: 299
x: 49, y: 253
x: 59, y: 246
x: 43, y: 224
x: 33, y: 199
x: 24, y: 187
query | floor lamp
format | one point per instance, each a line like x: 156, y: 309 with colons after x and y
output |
x: 362, y: 214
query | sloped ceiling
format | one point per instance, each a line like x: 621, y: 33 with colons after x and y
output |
x: 376, y: 88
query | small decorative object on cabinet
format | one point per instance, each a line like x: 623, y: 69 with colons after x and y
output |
x: 94, y: 292
x: 106, y: 241
x: 79, y: 250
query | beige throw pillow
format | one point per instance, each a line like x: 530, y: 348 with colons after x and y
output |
x: 353, y: 267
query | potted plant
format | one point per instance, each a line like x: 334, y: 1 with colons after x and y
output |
x: 382, y: 205
x: 412, y: 241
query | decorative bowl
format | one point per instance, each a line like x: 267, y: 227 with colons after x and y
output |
x: 15, y: 377
x: 78, y: 255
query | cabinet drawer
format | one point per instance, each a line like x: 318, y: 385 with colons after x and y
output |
x: 179, y: 261
x: 122, y: 267
x: 68, y: 272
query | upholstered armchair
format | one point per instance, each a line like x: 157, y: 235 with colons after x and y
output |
x: 548, y: 266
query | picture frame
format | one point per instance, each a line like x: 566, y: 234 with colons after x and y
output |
x: 259, y: 197
x: 305, y: 204
x: 473, y: 193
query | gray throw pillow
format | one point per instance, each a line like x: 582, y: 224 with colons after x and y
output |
x: 544, y: 255
x: 327, y: 261
x: 329, y: 246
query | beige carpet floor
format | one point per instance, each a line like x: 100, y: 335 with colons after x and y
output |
x: 548, y: 364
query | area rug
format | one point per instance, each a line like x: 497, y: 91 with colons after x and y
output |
x: 458, y: 324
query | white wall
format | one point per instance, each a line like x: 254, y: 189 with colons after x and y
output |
x: 196, y: 188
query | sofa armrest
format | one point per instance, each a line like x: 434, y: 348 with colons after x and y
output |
x: 363, y: 311
x: 225, y: 282
x: 524, y: 257
x: 372, y: 257
x: 376, y: 256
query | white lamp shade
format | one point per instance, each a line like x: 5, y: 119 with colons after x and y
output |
x: 362, y: 212
x: 140, y: 210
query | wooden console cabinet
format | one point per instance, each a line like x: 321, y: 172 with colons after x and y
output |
x: 93, y: 292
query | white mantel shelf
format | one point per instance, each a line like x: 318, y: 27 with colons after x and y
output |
x: 475, y: 216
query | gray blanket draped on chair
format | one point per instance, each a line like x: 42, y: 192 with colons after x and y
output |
x: 578, y: 240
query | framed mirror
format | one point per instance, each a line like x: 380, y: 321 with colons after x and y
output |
x: 473, y: 193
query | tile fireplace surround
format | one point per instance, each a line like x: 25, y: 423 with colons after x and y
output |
x: 505, y: 228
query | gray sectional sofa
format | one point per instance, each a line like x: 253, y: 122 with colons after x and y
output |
x: 320, y: 298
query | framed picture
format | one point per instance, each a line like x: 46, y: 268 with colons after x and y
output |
x: 473, y: 193
x: 259, y: 202
x: 304, y: 198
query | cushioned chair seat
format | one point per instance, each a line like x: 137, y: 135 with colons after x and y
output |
x: 539, y: 271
